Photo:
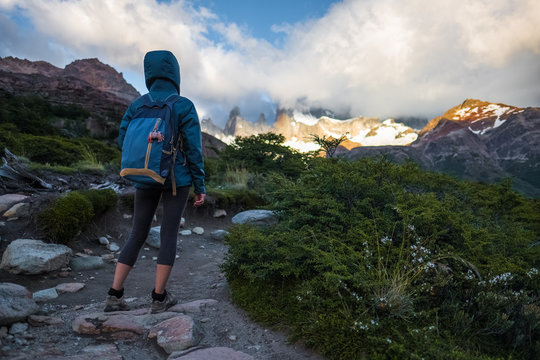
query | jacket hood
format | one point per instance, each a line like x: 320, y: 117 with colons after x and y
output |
x: 161, y: 64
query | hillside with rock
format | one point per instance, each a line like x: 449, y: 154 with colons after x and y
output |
x: 89, y: 83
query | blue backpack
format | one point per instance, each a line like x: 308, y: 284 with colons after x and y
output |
x: 151, y: 143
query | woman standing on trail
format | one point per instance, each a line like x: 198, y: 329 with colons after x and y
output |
x: 162, y: 75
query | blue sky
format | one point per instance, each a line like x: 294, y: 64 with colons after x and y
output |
x: 260, y: 17
x: 379, y: 58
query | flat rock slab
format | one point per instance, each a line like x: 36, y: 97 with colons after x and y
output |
x: 41, y: 320
x: 101, y: 352
x: 118, y: 324
x: 17, y: 210
x: 255, y: 217
x: 9, y: 199
x: 45, y: 295
x: 16, y: 303
x: 219, y: 234
x: 69, y: 287
x: 175, y: 334
x: 216, y: 353
x: 30, y: 257
x: 87, y: 263
x: 193, y: 306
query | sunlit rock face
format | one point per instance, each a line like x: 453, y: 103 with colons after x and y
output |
x: 95, y: 86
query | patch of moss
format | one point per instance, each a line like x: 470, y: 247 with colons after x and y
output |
x: 68, y: 215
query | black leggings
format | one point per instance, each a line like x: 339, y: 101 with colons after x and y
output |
x: 146, y: 202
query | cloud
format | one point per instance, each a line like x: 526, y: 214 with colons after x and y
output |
x: 372, y: 57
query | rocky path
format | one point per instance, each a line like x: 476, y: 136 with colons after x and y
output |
x: 73, y: 326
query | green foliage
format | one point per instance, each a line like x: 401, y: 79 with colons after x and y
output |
x: 102, y: 200
x: 381, y: 260
x: 26, y: 128
x: 263, y: 154
x: 241, y: 199
x: 67, y: 216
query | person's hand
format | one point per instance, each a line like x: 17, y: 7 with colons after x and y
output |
x: 199, y: 199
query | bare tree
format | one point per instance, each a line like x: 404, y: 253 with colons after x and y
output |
x: 328, y: 144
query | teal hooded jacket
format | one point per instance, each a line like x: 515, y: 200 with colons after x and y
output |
x: 162, y: 75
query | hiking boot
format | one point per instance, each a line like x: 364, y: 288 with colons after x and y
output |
x: 160, y: 306
x: 115, y: 304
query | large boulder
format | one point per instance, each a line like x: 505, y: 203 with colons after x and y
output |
x: 255, y: 217
x: 25, y: 256
x: 16, y: 303
x: 154, y: 237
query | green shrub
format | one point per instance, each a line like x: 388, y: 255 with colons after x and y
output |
x: 68, y: 215
x: 102, y: 200
x: 381, y: 260
x: 236, y: 198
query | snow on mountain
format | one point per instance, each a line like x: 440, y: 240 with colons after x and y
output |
x: 388, y: 133
x: 479, y: 117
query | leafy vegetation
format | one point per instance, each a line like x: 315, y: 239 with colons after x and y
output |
x: 377, y: 260
x: 68, y: 215
x: 27, y: 129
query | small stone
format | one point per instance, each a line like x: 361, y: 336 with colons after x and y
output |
x: 154, y: 258
x: 198, y: 230
x: 127, y: 216
x: 205, y: 320
x: 219, y: 213
x: 154, y: 237
x: 107, y: 256
x: 177, y: 257
x: 21, y: 341
x: 44, y: 295
x: 143, y: 257
x: 146, y: 249
x: 69, y: 287
x: 103, y: 241
x: 63, y: 274
x: 113, y: 247
x: 182, y: 222
x: 18, y: 328
x: 232, y: 337
x: 219, y: 234
x: 185, y: 232
x: 40, y: 320
x: 88, y: 251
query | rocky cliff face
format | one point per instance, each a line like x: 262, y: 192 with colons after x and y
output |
x: 89, y: 83
x: 298, y: 127
x: 477, y: 141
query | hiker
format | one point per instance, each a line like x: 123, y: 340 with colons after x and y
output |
x: 162, y: 75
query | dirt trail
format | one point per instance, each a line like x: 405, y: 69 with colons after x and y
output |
x: 195, y: 276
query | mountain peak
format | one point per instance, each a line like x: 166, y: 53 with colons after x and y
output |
x: 477, y: 115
